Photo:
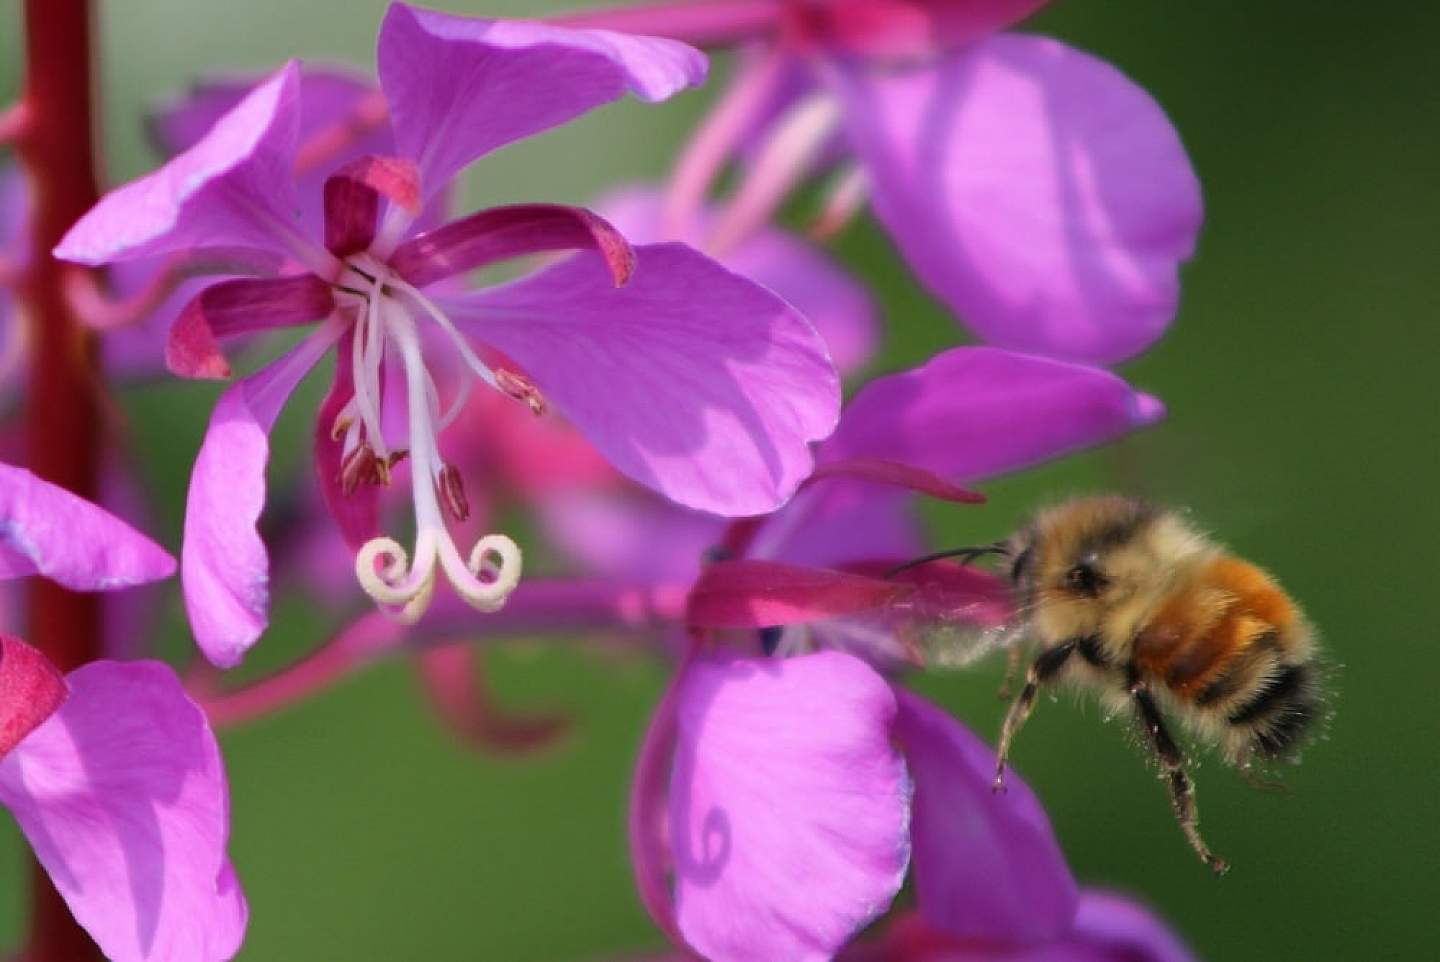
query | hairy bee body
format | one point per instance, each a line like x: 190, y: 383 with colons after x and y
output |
x: 1132, y: 601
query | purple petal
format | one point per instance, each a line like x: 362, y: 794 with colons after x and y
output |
x: 459, y: 88
x: 987, y: 865
x: 122, y: 795
x: 31, y: 690
x: 224, y: 568
x: 910, y: 28
x: 1117, y: 927
x: 505, y: 232
x: 342, y: 117
x: 975, y: 412
x: 1036, y: 190
x: 237, y: 307
x: 690, y: 379
x: 788, y: 806
x: 843, y: 522
x: 832, y: 300
x: 631, y: 536
x: 48, y: 531
x: 232, y: 189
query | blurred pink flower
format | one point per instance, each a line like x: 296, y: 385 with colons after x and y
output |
x: 693, y: 381
x: 1034, y: 189
x: 112, y: 771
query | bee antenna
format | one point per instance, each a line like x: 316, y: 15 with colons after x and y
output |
x: 966, y: 555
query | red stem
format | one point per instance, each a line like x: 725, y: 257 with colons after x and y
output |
x: 55, y: 143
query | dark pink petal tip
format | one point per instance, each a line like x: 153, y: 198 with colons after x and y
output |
x: 501, y: 233
x: 352, y: 199
x: 899, y: 475
x: 31, y: 690
x: 757, y: 594
x: 240, y: 307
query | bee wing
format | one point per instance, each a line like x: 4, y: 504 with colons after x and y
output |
x: 950, y: 644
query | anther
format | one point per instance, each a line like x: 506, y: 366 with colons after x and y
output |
x: 521, y: 388
x: 361, y: 466
x: 452, y: 492
x: 343, y: 423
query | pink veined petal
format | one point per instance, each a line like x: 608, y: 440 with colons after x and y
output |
x: 234, y: 188
x: 975, y: 412
x: 907, y: 28
x: 236, y: 307
x: 460, y: 87
x: 1037, y: 191
x: 788, y: 806
x: 224, y: 567
x: 987, y: 865
x: 352, y: 199
x: 357, y: 512
x: 122, y: 794
x: 31, y: 690
x: 500, y: 233
x: 841, y: 522
x: 48, y: 531
x: 839, y: 306
x: 690, y: 379
x: 758, y: 594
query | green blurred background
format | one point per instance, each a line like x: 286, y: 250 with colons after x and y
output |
x: 1300, y: 431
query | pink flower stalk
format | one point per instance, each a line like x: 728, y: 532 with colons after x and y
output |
x: 112, y: 771
x: 690, y: 379
x: 1034, y: 189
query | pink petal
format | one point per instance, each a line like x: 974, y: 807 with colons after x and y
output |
x: 908, y: 28
x: 459, y: 87
x: 122, y: 794
x: 339, y: 121
x: 243, y: 306
x: 1036, y: 190
x: 690, y: 379
x: 987, y: 865
x: 31, y: 690
x: 501, y: 233
x: 832, y: 300
x: 353, y: 194
x: 788, y: 806
x: 975, y: 412
x: 224, y: 568
x: 232, y: 189
x: 757, y: 594
x: 48, y: 531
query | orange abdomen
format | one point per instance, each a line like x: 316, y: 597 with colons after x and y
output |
x: 1228, y: 609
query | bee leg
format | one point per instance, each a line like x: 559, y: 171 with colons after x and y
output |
x: 1172, y: 762
x: 1012, y: 668
x: 1041, y: 670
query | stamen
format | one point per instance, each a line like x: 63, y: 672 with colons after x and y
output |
x: 452, y: 492
x: 521, y: 388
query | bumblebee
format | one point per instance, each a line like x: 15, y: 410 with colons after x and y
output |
x: 1132, y: 602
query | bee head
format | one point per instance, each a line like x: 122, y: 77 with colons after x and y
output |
x: 1078, y: 562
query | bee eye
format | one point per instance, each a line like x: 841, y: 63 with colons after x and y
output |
x: 1085, y: 578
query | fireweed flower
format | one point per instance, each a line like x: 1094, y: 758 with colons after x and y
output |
x: 690, y: 379
x: 1034, y: 189
x: 112, y: 771
x: 794, y: 790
